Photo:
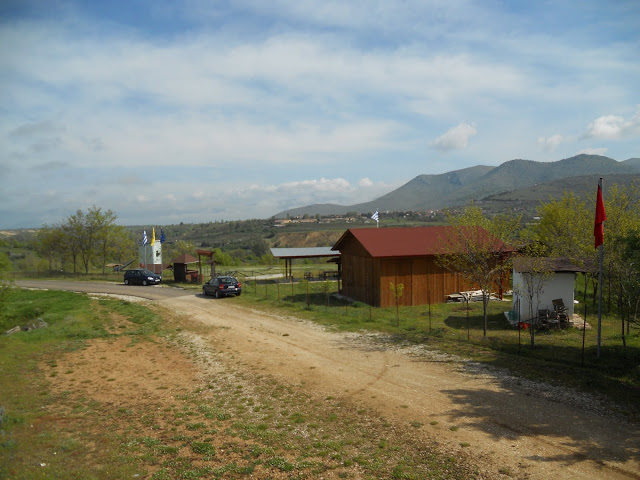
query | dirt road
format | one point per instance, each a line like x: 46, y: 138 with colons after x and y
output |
x: 510, y: 428
x: 508, y: 425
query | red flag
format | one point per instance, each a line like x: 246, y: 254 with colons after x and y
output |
x: 601, y: 216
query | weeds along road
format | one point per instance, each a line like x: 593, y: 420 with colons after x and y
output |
x: 509, y: 427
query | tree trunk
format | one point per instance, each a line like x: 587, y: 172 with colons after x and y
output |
x: 485, y: 302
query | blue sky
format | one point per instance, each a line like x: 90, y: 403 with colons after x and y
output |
x: 196, y: 111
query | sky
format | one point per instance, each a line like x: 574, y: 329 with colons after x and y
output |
x: 169, y: 111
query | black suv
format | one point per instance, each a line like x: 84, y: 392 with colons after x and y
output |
x: 222, y: 286
x: 141, y: 276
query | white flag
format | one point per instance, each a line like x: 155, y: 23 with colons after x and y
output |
x: 144, y: 237
x: 375, y: 216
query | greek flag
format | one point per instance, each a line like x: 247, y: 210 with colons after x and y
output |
x: 144, y: 237
x: 375, y: 216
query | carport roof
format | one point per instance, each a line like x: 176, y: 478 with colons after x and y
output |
x: 186, y: 258
x: 310, y: 252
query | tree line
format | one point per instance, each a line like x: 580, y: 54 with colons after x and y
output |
x: 85, y: 239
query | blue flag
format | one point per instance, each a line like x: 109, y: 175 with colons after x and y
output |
x: 161, y: 236
x: 144, y: 237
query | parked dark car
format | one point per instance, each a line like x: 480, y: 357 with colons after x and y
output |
x: 141, y: 276
x: 222, y: 286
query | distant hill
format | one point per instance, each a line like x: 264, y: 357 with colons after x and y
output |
x: 486, y: 184
x: 527, y: 199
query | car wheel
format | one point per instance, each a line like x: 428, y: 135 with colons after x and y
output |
x: 204, y: 292
x: 238, y: 294
x: 217, y: 293
x: 144, y: 282
x: 126, y: 281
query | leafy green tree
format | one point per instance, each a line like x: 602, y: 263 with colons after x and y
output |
x: 89, y: 234
x: 91, y: 237
x: 50, y: 245
x: 259, y: 246
x: 628, y: 281
x: 5, y: 284
x: 5, y: 264
x: 623, y: 220
x: 71, y: 236
x: 116, y: 244
x: 222, y: 258
x: 182, y: 247
x: 565, y: 228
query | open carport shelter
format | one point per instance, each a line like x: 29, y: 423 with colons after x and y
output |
x: 181, y: 268
x: 290, y: 254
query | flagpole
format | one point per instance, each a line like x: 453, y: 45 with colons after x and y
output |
x: 601, y: 261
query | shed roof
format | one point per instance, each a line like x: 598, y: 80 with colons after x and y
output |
x: 311, y: 252
x: 407, y: 241
x: 553, y: 264
x: 186, y: 258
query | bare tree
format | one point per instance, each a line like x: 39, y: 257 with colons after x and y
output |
x: 397, y: 290
x: 534, y: 273
x: 478, y: 251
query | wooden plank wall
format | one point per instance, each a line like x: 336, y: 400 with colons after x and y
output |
x: 360, y: 279
x: 424, y: 281
x: 360, y: 274
x: 368, y: 279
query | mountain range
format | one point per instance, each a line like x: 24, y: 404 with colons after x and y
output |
x: 514, y: 185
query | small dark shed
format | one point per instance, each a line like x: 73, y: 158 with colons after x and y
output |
x: 373, y: 258
x: 180, y: 267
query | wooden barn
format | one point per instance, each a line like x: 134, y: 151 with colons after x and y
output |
x: 373, y: 258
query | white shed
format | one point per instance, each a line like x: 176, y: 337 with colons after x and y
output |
x: 559, y: 284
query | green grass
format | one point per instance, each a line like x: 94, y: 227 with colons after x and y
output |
x: 27, y: 450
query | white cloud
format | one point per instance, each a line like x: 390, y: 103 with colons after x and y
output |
x: 551, y: 143
x: 455, y: 138
x: 614, y: 127
x: 593, y: 151
x: 320, y: 92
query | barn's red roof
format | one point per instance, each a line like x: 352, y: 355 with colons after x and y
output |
x: 409, y: 241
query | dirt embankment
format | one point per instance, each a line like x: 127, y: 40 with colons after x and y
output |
x: 306, y: 239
